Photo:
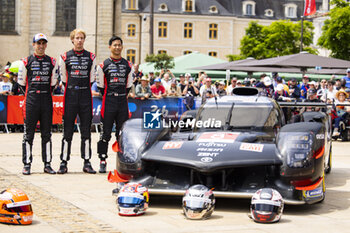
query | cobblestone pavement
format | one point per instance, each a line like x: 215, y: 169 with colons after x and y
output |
x: 79, y: 202
x: 62, y: 215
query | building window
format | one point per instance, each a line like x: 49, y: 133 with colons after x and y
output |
x: 66, y: 15
x: 248, y: 7
x: 290, y: 10
x: 7, y: 16
x: 189, y: 6
x: 213, y: 54
x: 187, y: 52
x: 161, y: 51
x: 213, y: 9
x: 269, y: 13
x: 131, y: 4
x: 162, y: 29
x: 131, y: 55
x: 163, y: 7
x: 188, y: 30
x: 213, y: 31
x: 131, y: 30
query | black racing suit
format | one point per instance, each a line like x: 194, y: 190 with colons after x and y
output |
x: 115, y: 78
x: 77, y: 70
x: 39, y: 76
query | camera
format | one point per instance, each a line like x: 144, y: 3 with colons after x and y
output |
x: 190, y: 83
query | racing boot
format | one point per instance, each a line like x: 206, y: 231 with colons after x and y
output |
x: 87, y: 167
x: 48, y: 169
x: 63, y: 168
x: 26, y: 169
x: 103, y: 166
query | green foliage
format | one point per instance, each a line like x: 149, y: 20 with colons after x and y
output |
x: 336, y: 31
x: 161, y: 61
x: 280, y: 38
x: 235, y: 57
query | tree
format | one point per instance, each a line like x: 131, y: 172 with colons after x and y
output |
x: 280, y: 38
x: 336, y: 31
x: 162, y: 61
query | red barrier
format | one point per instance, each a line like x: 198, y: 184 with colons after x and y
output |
x: 15, y: 109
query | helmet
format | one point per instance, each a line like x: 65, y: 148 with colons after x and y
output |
x: 15, y: 207
x: 198, y: 202
x: 266, y: 206
x: 133, y: 199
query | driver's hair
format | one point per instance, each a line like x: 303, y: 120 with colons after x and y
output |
x: 76, y: 31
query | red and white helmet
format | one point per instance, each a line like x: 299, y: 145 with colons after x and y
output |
x: 266, y: 206
x: 132, y: 200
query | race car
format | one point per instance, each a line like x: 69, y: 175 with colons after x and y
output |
x: 232, y: 144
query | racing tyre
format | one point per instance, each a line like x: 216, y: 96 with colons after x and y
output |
x: 324, y: 190
x: 344, y: 135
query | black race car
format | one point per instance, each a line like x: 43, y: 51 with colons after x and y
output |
x: 234, y: 144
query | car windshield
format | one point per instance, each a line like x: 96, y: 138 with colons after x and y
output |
x: 240, y: 116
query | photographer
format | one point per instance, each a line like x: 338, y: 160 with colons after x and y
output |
x: 207, y: 91
x: 173, y: 90
x: 5, y: 85
x: 190, y: 88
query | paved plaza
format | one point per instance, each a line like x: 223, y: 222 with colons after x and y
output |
x: 79, y: 202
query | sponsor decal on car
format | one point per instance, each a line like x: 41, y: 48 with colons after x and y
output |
x: 206, y: 159
x: 316, y: 193
x: 319, y: 136
x: 218, y: 137
x: 251, y: 147
x: 172, y: 145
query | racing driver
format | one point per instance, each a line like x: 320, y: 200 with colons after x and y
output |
x: 114, y: 79
x: 77, y: 70
x: 38, y: 75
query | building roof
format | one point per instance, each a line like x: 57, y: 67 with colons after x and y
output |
x: 224, y: 7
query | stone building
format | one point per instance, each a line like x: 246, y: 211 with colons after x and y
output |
x: 213, y: 27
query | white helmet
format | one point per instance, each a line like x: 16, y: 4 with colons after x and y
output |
x: 198, y: 202
x: 266, y: 206
x: 133, y: 199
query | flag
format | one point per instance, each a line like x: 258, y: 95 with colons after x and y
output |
x: 310, y: 7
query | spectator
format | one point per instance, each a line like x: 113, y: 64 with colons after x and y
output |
x: 280, y: 93
x: 347, y: 78
x: 190, y: 89
x: 279, y: 80
x: 221, y: 90
x: 342, y: 84
x: 311, y: 97
x: 323, y: 87
x: 16, y: 88
x: 266, y: 87
x: 312, y: 85
x: 207, y: 91
x: 136, y: 75
x: 173, y: 90
x: 262, y: 76
x: 201, y: 80
x: 239, y: 83
x: 232, y: 86
x: 304, y: 87
x: 337, y: 84
x: 182, y: 83
x: 329, y: 94
x: 274, y: 76
x: 253, y: 82
x: 143, y: 90
x: 166, y: 81
x: 5, y: 85
x: 294, y: 90
x: 158, y: 91
x: 151, y: 78
x: 131, y: 93
x: 342, y: 111
x: 94, y: 90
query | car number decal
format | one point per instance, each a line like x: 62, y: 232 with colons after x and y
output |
x: 218, y: 137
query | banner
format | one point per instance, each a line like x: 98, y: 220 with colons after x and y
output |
x: 3, y: 109
x: 310, y: 7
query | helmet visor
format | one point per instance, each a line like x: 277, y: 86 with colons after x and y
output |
x: 20, y: 209
x: 265, y: 208
x: 195, y: 203
x: 129, y: 200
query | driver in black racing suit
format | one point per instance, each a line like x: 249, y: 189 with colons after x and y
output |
x: 77, y: 70
x: 114, y: 80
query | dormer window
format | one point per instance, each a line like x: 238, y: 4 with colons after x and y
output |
x: 163, y: 7
x: 269, y: 13
x: 248, y: 7
x: 290, y: 10
x: 213, y: 10
x: 131, y: 4
x: 188, y: 5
